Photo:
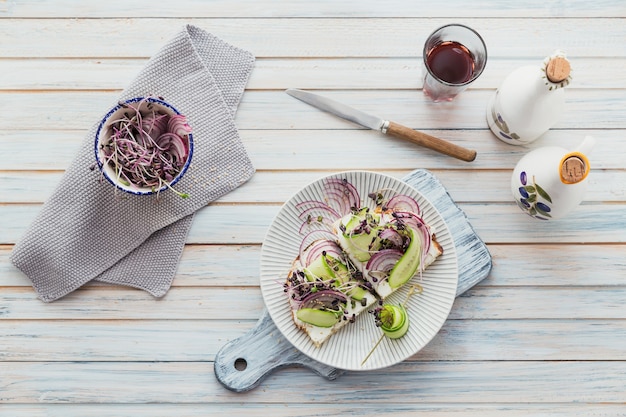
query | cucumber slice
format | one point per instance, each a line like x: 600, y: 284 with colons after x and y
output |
x: 319, y: 318
x: 338, y: 270
x: 357, y: 293
x: 356, y: 219
x: 407, y: 265
x: 360, y: 246
x: 319, y: 268
x: 398, y: 319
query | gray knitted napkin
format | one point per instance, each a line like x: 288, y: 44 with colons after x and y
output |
x: 87, y: 230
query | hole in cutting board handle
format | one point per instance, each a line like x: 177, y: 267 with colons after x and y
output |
x: 241, y: 364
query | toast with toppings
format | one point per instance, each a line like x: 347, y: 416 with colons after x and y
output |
x: 325, y: 291
x: 388, y: 247
x: 352, y: 256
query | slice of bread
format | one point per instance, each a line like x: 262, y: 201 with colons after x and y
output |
x: 299, y: 278
x: 374, y: 288
x: 381, y: 286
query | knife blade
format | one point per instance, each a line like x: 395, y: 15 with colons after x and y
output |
x: 385, y: 126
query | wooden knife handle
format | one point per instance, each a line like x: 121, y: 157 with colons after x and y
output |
x: 431, y: 142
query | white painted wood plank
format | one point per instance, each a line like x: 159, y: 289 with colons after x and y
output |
x: 326, y: 37
x: 299, y: 150
x: 494, y: 223
x: 275, y: 73
x: 541, y: 336
x: 585, y: 109
x: 537, y: 303
x: 206, y: 303
x: 405, y: 383
x: 557, y: 265
x: 37, y: 186
x: 123, y: 303
x: 296, y: 8
x: 200, y: 340
x: 399, y: 408
x: 513, y: 265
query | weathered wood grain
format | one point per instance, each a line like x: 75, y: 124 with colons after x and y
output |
x: 207, y: 303
x: 299, y: 150
x: 261, y: 188
x: 36, y: 75
x: 586, y: 109
x: 494, y: 223
x: 296, y: 8
x: 199, y: 340
x: 307, y: 38
x: 543, y: 335
x: 469, y: 409
x: 478, y: 382
x: 514, y: 265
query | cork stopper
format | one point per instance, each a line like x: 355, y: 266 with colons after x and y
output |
x: 558, y: 69
x: 574, y: 169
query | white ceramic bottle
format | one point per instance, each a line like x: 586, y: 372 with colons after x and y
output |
x: 549, y: 182
x: 529, y: 101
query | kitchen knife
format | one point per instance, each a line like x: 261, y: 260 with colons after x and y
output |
x: 385, y: 126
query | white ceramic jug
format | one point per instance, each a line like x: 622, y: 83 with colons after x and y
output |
x: 530, y: 101
x: 548, y: 182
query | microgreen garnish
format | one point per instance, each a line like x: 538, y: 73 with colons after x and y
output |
x: 145, y: 146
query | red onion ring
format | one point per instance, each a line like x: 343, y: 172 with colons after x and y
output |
x: 174, y: 144
x: 348, y: 190
x: 384, y: 260
x: 154, y: 124
x: 324, y: 298
x: 177, y: 124
x: 313, y: 225
x: 402, y: 202
x: 312, y: 237
x: 319, y: 248
x: 416, y: 223
x: 392, y: 236
x: 339, y: 199
x: 320, y: 208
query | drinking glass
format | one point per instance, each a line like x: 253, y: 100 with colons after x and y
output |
x: 454, y: 56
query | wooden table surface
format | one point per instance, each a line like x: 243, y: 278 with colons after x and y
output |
x: 543, y: 335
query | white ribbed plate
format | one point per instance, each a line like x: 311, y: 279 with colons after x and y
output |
x: 347, y: 348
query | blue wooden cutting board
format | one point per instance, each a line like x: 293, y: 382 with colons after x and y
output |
x: 243, y: 363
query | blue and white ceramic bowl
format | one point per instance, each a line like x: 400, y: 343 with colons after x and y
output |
x: 103, y: 134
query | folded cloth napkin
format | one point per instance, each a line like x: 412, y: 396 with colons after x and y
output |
x: 87, y: 230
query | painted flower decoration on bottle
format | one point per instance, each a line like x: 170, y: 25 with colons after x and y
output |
x: 501, y: 124
x: 529, y: 101
x: 530, y: 195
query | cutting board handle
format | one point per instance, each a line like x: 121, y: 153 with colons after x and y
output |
x: 243, y: 363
